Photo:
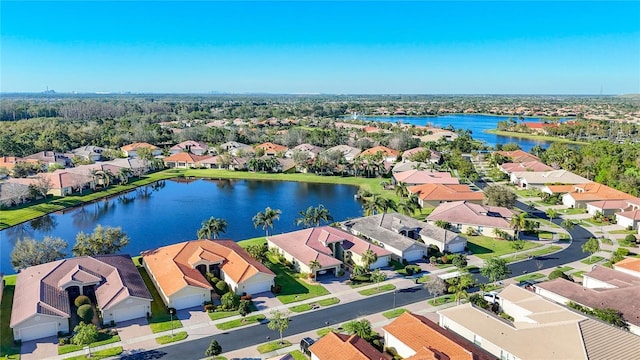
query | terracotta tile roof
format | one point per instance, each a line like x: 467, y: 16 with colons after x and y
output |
x: 518, y: 155
x: 539, y: 125
x: 610, y: 204
x: 559, y: 189
x: 190, y: 144
x: 387, y: 152
x: 448, y: 192
x: 632, y: 264
x: 271, y: 147
x: 9, y: 162
x: 312, y: 244
x: 64, y: 178
x: 633, y: 214
x: 345, y: 347
x: 430, y: 341
x: 186, y: 158
x: 38, y: 288
x: 134, y: 146
x: 534, y: 165
x: 425, y: 177
x: 172, y: 266
x: 463, y: 212
x: 595, y: 191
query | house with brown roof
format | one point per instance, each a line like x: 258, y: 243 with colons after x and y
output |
x: 8, y: 162
x: 237, y: 149
x: 592, y: 191
x: 190, y: 146
x: 416, y: 337
x: 434, y: 156
x: 178, y: 271
x: 184, y: 160
x: 482, y: 219
x: 432, y: 195
x: 419, y: 177
x: 628, y: 217
x: 271, y: 149
x: 44, y: 294
x: 334, y: 346
x: 329, y: 246
x: 534, y: 165
x: 349, y: 152
x: 601, y: 288
x: 311, y: 151
x: 540, y: 329
x: 610, y: 207
x: 61, y: 182
x: 50, y: 158
x: 386, y: 153
x: 131, y: 150
x: 518, y: 155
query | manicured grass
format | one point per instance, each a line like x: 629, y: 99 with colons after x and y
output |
x: 573, y: 211
x: 300, y: 308
x: 103, y: 339
x: 297, y: 355
x: 293, y: 289
x: 309, y: 306
x: 102, y: 354
x: 216, y: 315
x: 394, y: 313
x: 528, y: 193
x: 485, y: 247
x: 578, y: 273
x: 325, y: 331
x: 377, y: 290
x: 253, y: 241
x: 163, y: 323
x: 240, y: 322
x: 166, y: 339
x: 442, y: 300
x: 273, y: 346
x: 533, y: 136
x: 564, y: 269
x: 545, y: 235
x: 423, y: 279
x: 7, y: 348
x: 625, y: 232
x: 539, y: 252
x: 329, y: 301
x: 529, y: 277
x: 160, y: 318
x: 625, y: 243
x: 592, y: 260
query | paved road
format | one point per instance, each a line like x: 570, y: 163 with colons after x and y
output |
x: 254, y: 335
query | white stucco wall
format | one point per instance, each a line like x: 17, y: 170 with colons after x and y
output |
x: 62, y: 324
x: 469, y: 335
x: 625, y: 222
x: 107, y: 314
x: 205, y: 294
x: 402, y: 349
x: 592, y: 283
x: 551, y: 295
x: 260, y: 281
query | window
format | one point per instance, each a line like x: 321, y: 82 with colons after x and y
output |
x: 506, y: 356
x: 477, y: 340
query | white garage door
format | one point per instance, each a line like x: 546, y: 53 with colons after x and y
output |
x: 133, y: 312
x: 381, y: 262
x: 257, y: 288
x: 188, y: 301
x: 413, y: 255
x: 39, y: 331
x: 454, y: 248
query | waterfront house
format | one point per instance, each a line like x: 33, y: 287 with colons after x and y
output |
x: 432, y: 195
x: 271, y: 149
x: 131, y: 150
x: 434, y: 156
x: 178, y: 271
x: 518, y: 156
x: 190, y: 146
x: 420, y: 177
x: 44, y: 294
x: 482, y: 219
x: 387, y: 154
x: 329, y: 246
x: 184, y: 160
x: 349, y: 152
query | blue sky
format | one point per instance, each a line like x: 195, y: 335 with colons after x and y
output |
x: 418, y: 47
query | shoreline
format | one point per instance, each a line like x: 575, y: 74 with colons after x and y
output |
x: 465, y: 114
x: 534, y: 137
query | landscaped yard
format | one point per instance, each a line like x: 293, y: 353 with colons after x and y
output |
x: 442, y: 300
x: 309, y: 306
x: 578, y: 273
x: 273, y: 346
x: 160, y: 318
x: 564, y: 269
x: 486, y: 247
x: 166, y: 339
x: 394, y: 313
x: 253, y: 241
x: 103, y: 339
x: 101, y: 354
x: 377, y: 290
x: 539, y: 252
x: 573, y: 211
x: 7, y: 348
x: 216, y: 315
x: 297, y: 355
x: 293, y: 289
x: 625, y: 232
x: 528, y: 193
x: 592, y: 260
x: 240, y: 322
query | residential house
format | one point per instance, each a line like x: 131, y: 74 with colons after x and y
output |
x: 435, y: 134
x: 406, y: 237
x: 311, y: 151
x: 65, y: 182
x: 349, y: 152
x: 271, y: 149
x: 419, y: 177
x: 533, y: 166
x: 131, y: 150
x: 432, y: 195
x: 178, y: 271
x: 434, y: 156
x: 225, y: 162
x: 50, y: 158
x: 540, y: 128
x: 482, y: 219
x: 136, y: 166
x: 537, y: 180
x: 610, y: 207
x: 389, y: 155
x: 89, y: 152
x: 415, y: 337
x: 518, y: 155
x: 8, y: 162
x: 540, y: 330
x: 184, y: 160
x: 341, y: 346
x: 601, y: 288
x: 237, y: 149
x: 329, y: 246
x: 629, y: 217
x: 629, y: 266
x: 409, y: 165
x: 44, y: 294
x: 190, y: 146
x: 581, y: 194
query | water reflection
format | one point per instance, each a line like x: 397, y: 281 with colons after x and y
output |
x: 45, y: 224
x: 19, y: 232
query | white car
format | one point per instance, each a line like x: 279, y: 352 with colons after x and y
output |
x: 492, y: 297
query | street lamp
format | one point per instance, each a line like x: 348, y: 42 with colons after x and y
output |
x: 172, y: 311
x: 394, y: 298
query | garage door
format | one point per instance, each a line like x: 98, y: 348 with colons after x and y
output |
x: 39, y: 331
x: 459, y: 247
x: 188, y: 301
x: 413, y: 255
x: 133, y: 312
x: 257, y: 288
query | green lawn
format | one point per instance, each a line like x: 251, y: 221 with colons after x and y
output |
x: 442, y: 300
x: 160, y: 318
x: 528, y: 193
x: 325, y: 331
x: 240, y: 322
x: 592, y: 260
x: 293, y: 289
x: 103, y: 339
x: 625, y: 232
x: 297, y: 355
x: 254, y: 241
x: 273, y: 346
x: 102, y: 354
x: 564, y: 269
x: 539, y: 252
x: 377, y: 290
x: 486, y: 247
x: 166, y: 339
x: 309, y: 306
x: 7, y: 348
x: 216, y: 315
x: 328, y: 301
x: 423, y: 279
x: 606, y: 241
x: 573, y: 211
x: 394, y: 313
x: 625, y: 243
x: 530, y: 277
x: 578, y: 273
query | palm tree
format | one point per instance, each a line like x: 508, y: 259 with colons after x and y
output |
x: 368, y: 258
x: 567, y: 224
x: 551, y: 213
x: 314, y: 216
x: 443, y: 224
x: 519, y: 222
x: 266, y: 218
x: 458, y: 286
x: 212, y: 227
x: 401, y: 189
x: 314, y: 266
x: 406, y: 208
x: 124, y: 174
x: 361, y: 328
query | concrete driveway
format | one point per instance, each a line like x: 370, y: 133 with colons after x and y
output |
x: 44, y: 348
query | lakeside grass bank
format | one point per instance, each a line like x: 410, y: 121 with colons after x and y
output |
x: 534, y: 137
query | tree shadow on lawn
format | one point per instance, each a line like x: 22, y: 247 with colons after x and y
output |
x: 285, y: 278
x: 477, y: 249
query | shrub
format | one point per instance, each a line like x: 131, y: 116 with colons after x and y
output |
x: 81, y: 300
x: 85, y: 312
x: 230, y: 300
x: 245, y: 297
x: 479, y: 301
x: 408, y: 269
x: 630, y: 238
x: 208, y: 308
x: 444, y: 259
x: 559, y: 274
x: 622, y: 251
x: 433, y: 260
x: 222, y: 287
x: 212, y: 278
x: 378, y: 344
x: 64, y: 341
x: 276, y: 289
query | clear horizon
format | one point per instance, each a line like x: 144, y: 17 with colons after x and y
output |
x: 321, y: 48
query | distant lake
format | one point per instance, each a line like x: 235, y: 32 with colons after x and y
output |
x: 476, y: 123
x: 174, y: 213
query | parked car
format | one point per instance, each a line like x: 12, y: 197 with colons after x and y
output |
x: 305, y: 343
x: 492, y: 297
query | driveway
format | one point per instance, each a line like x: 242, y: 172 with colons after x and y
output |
x: 39, y: 349
x: 132, y: 330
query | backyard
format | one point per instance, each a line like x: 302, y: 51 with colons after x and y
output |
x: 160, y: 317
x: 7, y: 348
x: 292, y: 288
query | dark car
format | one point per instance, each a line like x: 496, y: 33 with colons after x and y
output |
x: 305, y: 343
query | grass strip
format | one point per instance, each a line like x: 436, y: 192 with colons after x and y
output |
x: 240, y: 322
x: 7, y: 347
x: 101, y: 354
x: 166, y: 339
x: 103, y: 339
x: 273, y: 346
x: 449, y: 298
x: 394, y: 313
x: 592, y: 260
x: 377, y: 290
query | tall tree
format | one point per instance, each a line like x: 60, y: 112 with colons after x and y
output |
x: 361, y: 328
x: 458, y: 286
x: 436, y: 286
x: 377, y: 277
x: 258, y: 252
x: 314, y: 216
x: 266, y: 218
x: 443, y: 224
x: 279, y: 320
x: 517, y: 245
x: 30, y: 252
x: 212, y: 227
x: 369, y: 257
x: 592, y: 246
x: 103, y: 241
x: 85, y: 334
x: 499, y: 195
x: 214, y: 349
x: 495, y: 269
x: 551, y: 213
x: 314, y: 266
x: 401, y: 189
x: 518, y: 223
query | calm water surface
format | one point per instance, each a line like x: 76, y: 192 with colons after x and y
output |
x: 174, y: 213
